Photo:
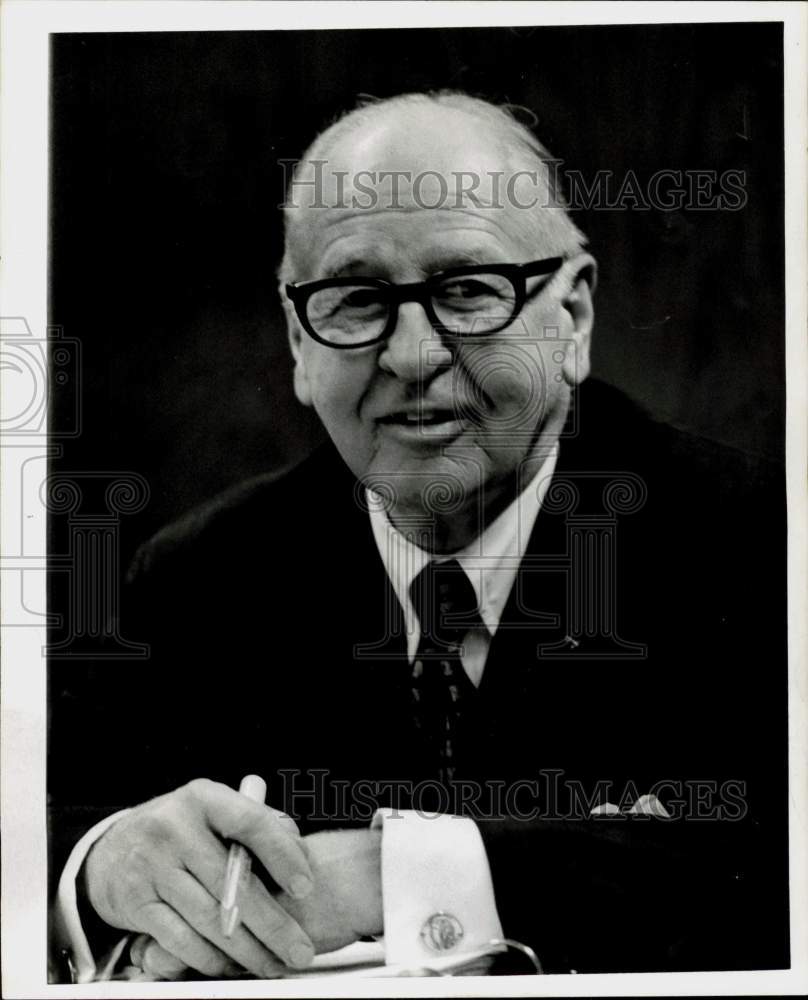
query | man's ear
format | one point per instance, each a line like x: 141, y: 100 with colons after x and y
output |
x: 301, y: 378
x: 578, y: 304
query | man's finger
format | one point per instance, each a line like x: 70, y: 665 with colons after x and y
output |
x: 188, y: 897
x: 137, y: 948
x: 159, y: 962
x: 286, y: 822
x: 270, y: 922
x: 258, y: 827
x: 147, y: 954
x: 266, y: 918
x: 179, y: 939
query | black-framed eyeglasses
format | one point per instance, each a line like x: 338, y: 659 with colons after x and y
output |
x: 473, y: 300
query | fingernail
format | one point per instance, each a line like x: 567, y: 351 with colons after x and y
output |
x: 301, y: 886
x: 301, y: 954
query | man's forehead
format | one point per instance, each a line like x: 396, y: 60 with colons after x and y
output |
x: 420, y: 138
x: 430, y: 240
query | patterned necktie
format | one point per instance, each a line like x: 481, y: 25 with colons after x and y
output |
x: 446, y: 605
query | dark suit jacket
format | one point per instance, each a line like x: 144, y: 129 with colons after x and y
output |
x: 277, y: 648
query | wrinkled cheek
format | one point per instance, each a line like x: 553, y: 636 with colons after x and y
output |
x: 333, y: 394
x: 336, y: 401
x: 505, y: 387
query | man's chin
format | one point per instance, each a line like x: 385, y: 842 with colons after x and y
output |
x: 422, y: 490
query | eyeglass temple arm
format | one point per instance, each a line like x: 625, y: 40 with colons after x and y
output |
x: 546, y: 266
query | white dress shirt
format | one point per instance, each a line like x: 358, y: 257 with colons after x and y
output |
x: 490, y: 562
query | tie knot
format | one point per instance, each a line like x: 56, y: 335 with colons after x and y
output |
x: 445, y: 602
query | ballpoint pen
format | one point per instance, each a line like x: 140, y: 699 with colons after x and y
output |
x: 238, y: 861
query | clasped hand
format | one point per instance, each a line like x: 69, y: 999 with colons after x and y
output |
x: 160, y: 871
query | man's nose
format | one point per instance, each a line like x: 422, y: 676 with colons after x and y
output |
x: 414, y: 349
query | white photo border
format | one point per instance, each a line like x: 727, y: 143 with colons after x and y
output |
x: 24, y: 117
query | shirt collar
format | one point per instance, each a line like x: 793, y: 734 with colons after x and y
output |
x: 490, y: 560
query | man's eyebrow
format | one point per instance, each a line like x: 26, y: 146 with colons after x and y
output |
x: 461, y: 259
x: 349, y: 266
x: 466, y: 260
x: 363, y: 266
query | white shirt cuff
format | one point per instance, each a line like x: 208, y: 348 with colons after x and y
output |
x: 67, y: 923
x: 437, y: 894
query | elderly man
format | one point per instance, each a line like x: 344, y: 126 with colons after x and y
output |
x: 517, y: 625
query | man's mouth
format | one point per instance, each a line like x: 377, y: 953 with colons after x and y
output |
x: 419, y: 418
x: 427, y: 426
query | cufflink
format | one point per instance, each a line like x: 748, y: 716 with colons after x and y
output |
x: 442, y: 932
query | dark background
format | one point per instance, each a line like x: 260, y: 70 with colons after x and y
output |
x: 165, y: 228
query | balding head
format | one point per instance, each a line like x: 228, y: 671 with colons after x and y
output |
x: 428, y: 151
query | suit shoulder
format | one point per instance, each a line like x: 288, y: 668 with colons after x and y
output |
x: 620, y: 429
x: 730, y: 473
x: 721, y: 457
x: 243, y: 514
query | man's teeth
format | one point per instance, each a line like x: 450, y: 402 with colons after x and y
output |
x: 425, y: 417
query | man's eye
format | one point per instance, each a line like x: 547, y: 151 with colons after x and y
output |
x: 477, y: 292
x: 467, y: 288
x: 360, y: 298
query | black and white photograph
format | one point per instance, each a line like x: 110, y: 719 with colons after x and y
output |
x: 404, y: 500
